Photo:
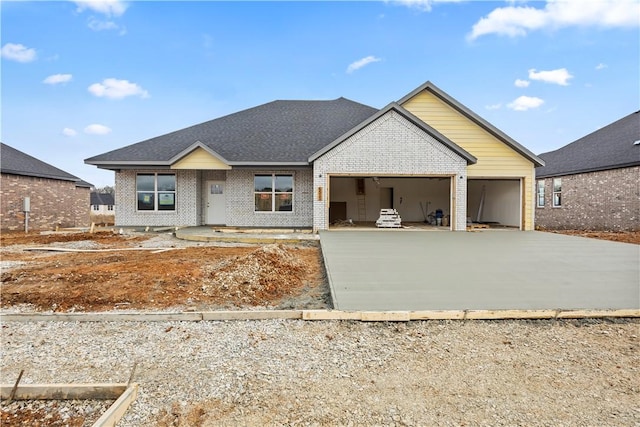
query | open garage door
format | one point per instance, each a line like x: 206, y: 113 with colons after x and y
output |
x: 496, y: 202
x: 417, y: 199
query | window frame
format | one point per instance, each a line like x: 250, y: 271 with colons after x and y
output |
x: 95, y: 208
x: 273, y: 193
x: 556, y: 202
x: 157, y: 192
x: 540, y: 193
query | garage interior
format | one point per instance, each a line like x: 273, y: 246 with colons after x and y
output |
x: 495, y: 202
x: 358, y: 199
x: 423, y: 201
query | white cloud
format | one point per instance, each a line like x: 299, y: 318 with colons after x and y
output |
x: 361, y: 63
x: 98, y: 25
x: 96, y: 129
x: 601, y: 66
x: 522, y: 83
x: 516, y: 21
x: 105, y: 7
x: 524, y: 103
x: 57, y: 79
x: 69, y: 132
x: 493, y: 107
x: 18, y: 52
x: 117, y: 89
x: 423, y: 5
x: 560, y: 76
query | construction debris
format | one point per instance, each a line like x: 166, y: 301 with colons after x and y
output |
x: 389, y: 218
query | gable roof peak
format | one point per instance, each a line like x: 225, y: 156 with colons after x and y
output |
x: 469, y: 114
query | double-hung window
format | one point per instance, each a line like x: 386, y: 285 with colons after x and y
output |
x: 541, y: 193
x: 273, y: 192
x: 156, y: 191
x: 557, y: 192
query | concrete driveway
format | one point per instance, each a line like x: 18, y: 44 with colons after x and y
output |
x: 413, y: 270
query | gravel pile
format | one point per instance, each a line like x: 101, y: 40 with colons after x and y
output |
x: 284, y: 372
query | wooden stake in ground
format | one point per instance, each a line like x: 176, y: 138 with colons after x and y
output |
x: 15, y: 386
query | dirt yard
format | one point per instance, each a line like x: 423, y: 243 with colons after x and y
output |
x: 178, y: 275
x: 616, y: 236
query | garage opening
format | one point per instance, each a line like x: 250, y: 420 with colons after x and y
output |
x: 495, y: 202
x: 418, y: 200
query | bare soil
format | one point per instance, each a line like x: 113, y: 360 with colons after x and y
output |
x: 192, y: 277
x: 616, y: 236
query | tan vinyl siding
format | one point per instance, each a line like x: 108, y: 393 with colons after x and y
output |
x: 200, y: 159
x: 495, y: 158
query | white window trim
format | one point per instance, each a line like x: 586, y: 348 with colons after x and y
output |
x: 273, y: 193
x: 538, y: 194
x: 155, y: 210
x: 553, y: 193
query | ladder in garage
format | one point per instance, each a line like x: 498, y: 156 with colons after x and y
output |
x: 362, y: 208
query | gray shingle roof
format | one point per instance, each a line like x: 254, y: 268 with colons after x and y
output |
x: 101, y: 199
x: 15, y: 162
x: 610, y: 147
x: 284, y: 132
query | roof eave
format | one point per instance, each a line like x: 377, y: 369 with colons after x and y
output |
x: 589, y: 170
x: 428, y: 85
x: 40, y: 175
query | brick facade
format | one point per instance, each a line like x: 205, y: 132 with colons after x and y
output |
x: 390, y: 146
x: 241, y: 201
x: 191, y: 200
x: 54, y: 203
x: 603, y: 200
x: 187, y: 211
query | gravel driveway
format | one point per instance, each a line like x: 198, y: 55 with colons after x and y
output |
x: 284, y: 372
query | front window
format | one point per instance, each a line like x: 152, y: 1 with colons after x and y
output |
x: 110, y: 207
x: 273, y: 192
x: 156, y: 192
x: 96, y: 207
x: 557, y: 192
x: 541, y: 193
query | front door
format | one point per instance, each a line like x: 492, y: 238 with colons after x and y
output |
x: 216, y: 205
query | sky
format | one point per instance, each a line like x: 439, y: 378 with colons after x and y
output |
x: 80, y: 78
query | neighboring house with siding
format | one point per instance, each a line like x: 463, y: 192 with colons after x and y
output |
x: 102, y: 203
x: 593, y: 183
x: 56, y: 198
x: 305, y: 164
x: 103, y: 208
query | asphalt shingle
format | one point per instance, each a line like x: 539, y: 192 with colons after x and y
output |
x: 279, y: 131
x: 15, y: 162
x: 611, y: 147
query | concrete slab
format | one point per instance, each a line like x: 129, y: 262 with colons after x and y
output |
x: 484, y: 270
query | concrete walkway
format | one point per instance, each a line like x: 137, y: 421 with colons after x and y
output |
x: 486, y: 270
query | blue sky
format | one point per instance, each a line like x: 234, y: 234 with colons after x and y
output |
x: 82, y: 78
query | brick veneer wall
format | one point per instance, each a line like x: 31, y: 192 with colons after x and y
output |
x: 191, y: 200
x: 390, y: 146
x: 604, y: 200
x: 241, y: 200
x: 54, y: 203
x: 187, y: 201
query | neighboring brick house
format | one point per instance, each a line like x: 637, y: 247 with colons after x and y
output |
x: 57, y: 198
x: 305, y: 164
x: 593, y: 183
